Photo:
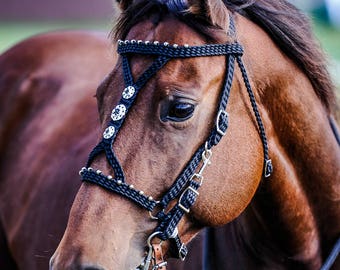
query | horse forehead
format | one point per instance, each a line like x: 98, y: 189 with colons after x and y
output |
x: 169, y: 29
x: 189, y: 76
x: 189, y: 72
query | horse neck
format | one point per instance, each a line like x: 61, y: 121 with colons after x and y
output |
x: 296, y: 211
x: 295, y: 214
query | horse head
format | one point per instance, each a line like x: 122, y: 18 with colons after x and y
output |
x: 176, y: 153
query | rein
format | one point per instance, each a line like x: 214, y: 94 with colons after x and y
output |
x: 185, y: 188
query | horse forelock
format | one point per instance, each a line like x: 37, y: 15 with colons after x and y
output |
x: 191, y: 15
x: 176, y: 5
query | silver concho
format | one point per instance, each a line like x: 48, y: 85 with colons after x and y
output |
x: 128, y: 92
x: 109, y: 132
x: 118, y: 112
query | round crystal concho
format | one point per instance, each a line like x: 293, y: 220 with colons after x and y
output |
x: 109, y: 132
x: 118, y: 112
x: 128, y: 92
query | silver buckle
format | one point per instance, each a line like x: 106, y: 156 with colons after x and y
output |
x: 219, y: 130
x: 180, y: 205
x: 160, y: 265
x: 268, y: 168
x: 198, y: 178
x: 182, y: 257
x: 151, y: 212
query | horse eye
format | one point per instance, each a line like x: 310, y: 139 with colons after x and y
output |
x: 180, y: 111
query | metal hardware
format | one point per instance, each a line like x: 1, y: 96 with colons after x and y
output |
x: 153, y: 235
x: 118, y: 112
x: 146, y: 264
x: 128, y: 92
x: 180, y: 205
x: 174, y: 233
x: 151, y: 214
x: 198, y: 177
x: 206, y: 156
x: 148, y: 258
x: 160, y: 265
x: 182, y: 253
x: 268, y: 168
x: 218, y: 128
x: 109, y: 132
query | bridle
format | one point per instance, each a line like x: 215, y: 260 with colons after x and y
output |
x: 185, y: 188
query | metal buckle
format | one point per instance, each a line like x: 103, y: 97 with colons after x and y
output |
x: 198, y: 178
x: 174, y: 233
x: 148, y: 259
x: 151, y: 212
x: 153, y: 235
x: 160, y: 265
x: 218, y: 128
x: 207, y: 153
x: 268, y: 170
x: 180, y: 205
x: 182, y: 253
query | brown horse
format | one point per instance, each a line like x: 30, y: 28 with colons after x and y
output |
x: 288, y: 221
x: 47, y: 84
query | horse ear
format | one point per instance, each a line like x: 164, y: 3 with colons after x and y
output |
x: 124, y: 4
x: 214, y: 10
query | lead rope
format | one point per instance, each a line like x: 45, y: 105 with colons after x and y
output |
x: 332, y: 257
x: 185, y: 188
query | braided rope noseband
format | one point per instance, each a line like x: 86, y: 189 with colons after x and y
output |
x: 186, y: 186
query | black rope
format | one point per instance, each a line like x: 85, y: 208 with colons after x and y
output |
x: 268, y: 168
x: 128, y: 47
x: 128, y: 79
x: 88, y: 175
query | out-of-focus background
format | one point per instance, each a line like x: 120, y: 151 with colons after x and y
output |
x: 22, y: 18
x: 325, y: 15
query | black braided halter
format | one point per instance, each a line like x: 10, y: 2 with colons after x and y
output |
x: 186, y: 186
